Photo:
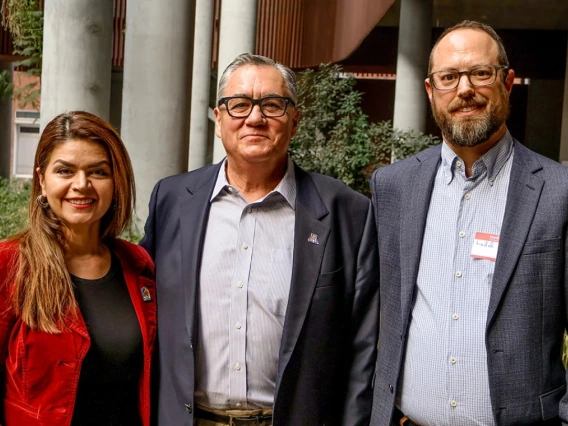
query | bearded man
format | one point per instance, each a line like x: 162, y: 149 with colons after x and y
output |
x: 472, y: 248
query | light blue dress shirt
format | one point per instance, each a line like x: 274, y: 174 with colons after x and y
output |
x: 244, y: 285
x: 445, y: 379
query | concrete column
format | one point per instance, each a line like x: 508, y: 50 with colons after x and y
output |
x: 414, y: 44
x: 199, y: 123
x: 6, y: 127
x: 155, y: 97
x: 77, y: 57
x: 564, y: 132
x: 237, y: 35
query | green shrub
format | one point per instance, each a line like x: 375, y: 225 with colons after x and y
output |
x: 14, y: 198
x: 335, y: 136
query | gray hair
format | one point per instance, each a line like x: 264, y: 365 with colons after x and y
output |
x: 257, y: 60
x: 474, y: 25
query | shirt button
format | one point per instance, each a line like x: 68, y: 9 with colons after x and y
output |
x: 249, y: 210
x: 245, y: 246
x: 467, y: 196
x: 453, y: 360
x: 461, y: 234
x: 230, y: 189
x: 458, y: 163
x: 454, y: 403
x: 458, y: 274
x: 455, y: 316
x: 239, y: 405
x: 240, y: 284
x: 237, y: 367
x: 238, y: 326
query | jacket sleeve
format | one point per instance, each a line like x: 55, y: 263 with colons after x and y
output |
x: 364, y: 330
x: 149, y: 241
x: 7, y: 321
x: 563, y: 406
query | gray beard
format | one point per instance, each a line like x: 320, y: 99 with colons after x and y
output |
x: 469, y: 133
x: 473, y: 131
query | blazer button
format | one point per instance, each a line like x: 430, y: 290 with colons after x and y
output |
x: 391, y: 388
x: 189, y: 408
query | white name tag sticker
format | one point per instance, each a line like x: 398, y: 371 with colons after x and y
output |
x: 485, y: 246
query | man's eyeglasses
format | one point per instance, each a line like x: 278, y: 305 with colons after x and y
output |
x: 270, y: 106
x: 481, y: 75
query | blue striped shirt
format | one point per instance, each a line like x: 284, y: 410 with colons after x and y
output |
x: 445, y: 379
x: 243, y: 294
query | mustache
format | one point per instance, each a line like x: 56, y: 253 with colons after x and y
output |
x: 476, y: 102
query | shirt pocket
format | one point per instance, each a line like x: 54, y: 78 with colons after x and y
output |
x: 270, y: 280
x: 281, y: 255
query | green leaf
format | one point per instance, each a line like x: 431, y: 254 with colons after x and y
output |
x: 335, y: 136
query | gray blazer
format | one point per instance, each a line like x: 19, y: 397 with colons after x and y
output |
x: 328, y: 347
x: 527, y: 309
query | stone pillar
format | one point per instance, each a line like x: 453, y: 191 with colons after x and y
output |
x: 199, y: 123
x: 414, y: 44
x: 237, y: 35
x: 155, y: 97
x: 6, y: 127
x: 77, y: 57
x: 564, y: 132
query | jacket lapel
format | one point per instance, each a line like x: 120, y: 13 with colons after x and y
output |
x: 308, y: 257
x: 193, y: 214
x: 414, y: 211
x: 522, y: 200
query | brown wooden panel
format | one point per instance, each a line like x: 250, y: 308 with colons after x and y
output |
x: 118, y: 26
x: 303, y: 33
x: 216, y: 27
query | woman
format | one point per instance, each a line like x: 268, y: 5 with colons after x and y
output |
x: 77, y: 305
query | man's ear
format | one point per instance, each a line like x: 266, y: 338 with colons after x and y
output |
x: 217, y: 122
x: 510, y: 80
x: 428, y: 87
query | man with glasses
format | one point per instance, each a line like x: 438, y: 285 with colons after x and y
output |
x: 472, y: 249
x: 267, y: 275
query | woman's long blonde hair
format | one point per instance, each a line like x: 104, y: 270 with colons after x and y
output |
x: 42, y: 288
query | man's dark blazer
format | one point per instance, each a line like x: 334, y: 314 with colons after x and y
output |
x: 527, y: 308
x: 328, y: 347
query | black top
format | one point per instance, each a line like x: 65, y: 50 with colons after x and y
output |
x: 110, y: 373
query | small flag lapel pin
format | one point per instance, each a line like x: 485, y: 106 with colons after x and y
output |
x: 313, y: 238
x: 145, y: 294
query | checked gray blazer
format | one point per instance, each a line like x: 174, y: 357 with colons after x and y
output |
x: 527, y: 309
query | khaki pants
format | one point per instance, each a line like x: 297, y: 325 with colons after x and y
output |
x: 234, y: 415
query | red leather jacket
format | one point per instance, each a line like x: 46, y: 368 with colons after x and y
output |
x: 40, y: 371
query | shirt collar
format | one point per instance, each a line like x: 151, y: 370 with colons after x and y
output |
x: 492, y: 161
x: 286, y: 187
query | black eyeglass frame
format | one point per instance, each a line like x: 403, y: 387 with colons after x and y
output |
x: 286, y: 99
x: 468, y: 74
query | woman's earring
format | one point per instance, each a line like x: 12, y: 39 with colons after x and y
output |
x: 42, y: 201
